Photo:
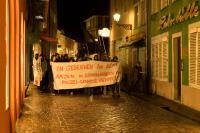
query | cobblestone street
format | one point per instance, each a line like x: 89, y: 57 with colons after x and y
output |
x: 62, y: 113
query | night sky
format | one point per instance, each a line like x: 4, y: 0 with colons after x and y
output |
x: 72, y: 12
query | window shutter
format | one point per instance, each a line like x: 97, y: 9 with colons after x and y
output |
x: 154, y: 6
x: 164, y: 3
x: 159, y: 57
x: 198, y: 60
x: 156, y: 61
x: 165, y: 60
x: 153, y: 60
x: 192, y: 58
x: 143, y: 12
x: 173, y: 1
x: 160, y: 64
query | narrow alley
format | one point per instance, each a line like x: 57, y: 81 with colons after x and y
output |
x: 100, y: 66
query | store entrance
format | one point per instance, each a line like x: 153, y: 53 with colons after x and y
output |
x: 177, y: 67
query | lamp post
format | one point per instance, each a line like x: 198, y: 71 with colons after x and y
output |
x: 105, y: 32
x: 116, y: 18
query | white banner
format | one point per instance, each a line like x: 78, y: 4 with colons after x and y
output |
x: 71, y: 75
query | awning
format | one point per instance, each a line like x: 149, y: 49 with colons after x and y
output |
x: 48, y: 39
x: 45, y: 37
x: 136, y: 43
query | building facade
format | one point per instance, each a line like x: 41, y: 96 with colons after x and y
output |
x: 174, y: 49
x: 49, y: 41
x: 128, y: 36
x: 93, y: 25
x: 66, y: 45
x: 15, y: 54
x: 12, y: 62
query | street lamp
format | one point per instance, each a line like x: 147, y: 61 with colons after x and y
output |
x: 105, y: 32
x: 116, y: 18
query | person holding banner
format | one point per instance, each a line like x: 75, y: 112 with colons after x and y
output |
x: 44, y: 82
x: 116, y: 87
x: 85, y: 74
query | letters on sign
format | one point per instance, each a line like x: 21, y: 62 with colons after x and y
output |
x: 185, y: 13
x: 71, y: 75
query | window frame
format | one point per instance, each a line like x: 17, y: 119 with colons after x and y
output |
x: 193, y: 82
x: 158, y: 57
x: 155, y: 6
x: 143, y: 17
x: 136, y: 15
x: 163, y: 2
x: 172, y: 1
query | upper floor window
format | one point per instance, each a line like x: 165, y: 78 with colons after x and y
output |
x: 139, y: 13
x: 143, y: 12
x: 155, y: 6
x: 136, y: 16
x: 173, y: 1
x: 125, y: 5
x: 164, y: 3
x: 88, y: 24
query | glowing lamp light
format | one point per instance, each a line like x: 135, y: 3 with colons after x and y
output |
x: 39, y: 17
x: 105, y: 32
x: 116, y: 17
x: 96, y: 40
x: 99, y: 32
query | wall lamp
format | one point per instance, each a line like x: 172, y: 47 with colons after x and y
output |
x: 116, y: 18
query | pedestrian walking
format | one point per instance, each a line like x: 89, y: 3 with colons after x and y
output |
x: 44, y: 82
x: 138, y: 84
x: 116, y: 87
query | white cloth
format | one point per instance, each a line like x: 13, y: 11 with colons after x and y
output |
x: 73, y: 75
x: 37, y: 71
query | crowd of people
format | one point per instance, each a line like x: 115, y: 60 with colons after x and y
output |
x: 43, y: 77
x: 62, y: 58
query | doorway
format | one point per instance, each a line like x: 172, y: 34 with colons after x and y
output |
x: 133, y: 61
x: 177, y: 65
